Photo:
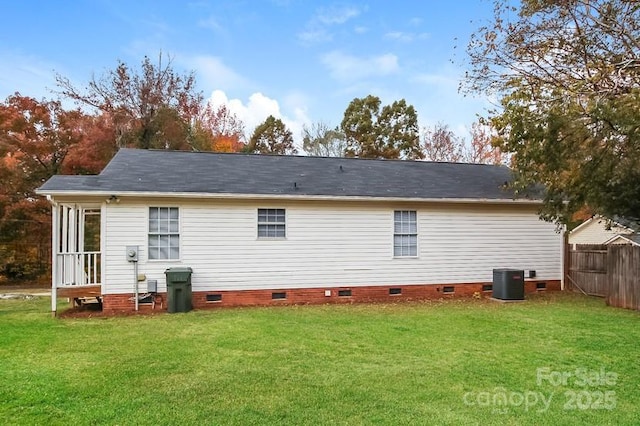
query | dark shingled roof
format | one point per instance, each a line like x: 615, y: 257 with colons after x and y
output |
x: 626, y: 222
x: 166, y: 172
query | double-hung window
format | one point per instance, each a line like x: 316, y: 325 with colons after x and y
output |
x: 405, y: 233
x: 164, y: 233
x: 271, y: 223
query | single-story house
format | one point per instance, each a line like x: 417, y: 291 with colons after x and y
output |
x: 629, y: 239
x: 600, y: 230
x: 261, y: 229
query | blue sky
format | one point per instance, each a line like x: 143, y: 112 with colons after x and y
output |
x: 302, y: 61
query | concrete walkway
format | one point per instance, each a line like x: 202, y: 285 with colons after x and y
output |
x: 20, y: 293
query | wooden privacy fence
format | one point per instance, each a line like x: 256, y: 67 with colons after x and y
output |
x: 612, y: 272
x: 623, y: 272
x: 588, y: 269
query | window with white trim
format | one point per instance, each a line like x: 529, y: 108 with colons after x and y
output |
x: 271, y: 223
x: 405, y: 233
x: 164, y: 233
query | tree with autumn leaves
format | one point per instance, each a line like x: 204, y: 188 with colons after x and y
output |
x: 320, y: 140
x: 440, y: 143
x: 219, y: 130
x: 37, y: 140
x: 151, y: 107
x: 372, y: 130
x: 567, y: 79
x: 566, y: 76
x: 272, y: 137
x: 155, y: 107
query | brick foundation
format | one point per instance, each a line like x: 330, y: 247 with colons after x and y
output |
x: 114, y: 303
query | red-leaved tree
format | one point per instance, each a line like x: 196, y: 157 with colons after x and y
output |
x: 35, y: 139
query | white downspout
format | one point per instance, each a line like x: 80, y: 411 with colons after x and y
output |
x: 103, y: 248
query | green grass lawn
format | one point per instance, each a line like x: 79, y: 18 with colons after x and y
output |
x: 455, y: 362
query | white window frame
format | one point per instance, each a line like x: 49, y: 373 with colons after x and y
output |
x: 172, y: 232
x: 271, y: 220
x: 404, y: 229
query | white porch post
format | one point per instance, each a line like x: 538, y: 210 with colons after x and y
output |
x: 55, y: 229
x: 79, y: 242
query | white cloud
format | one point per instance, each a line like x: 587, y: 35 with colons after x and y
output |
x: 437, y: 99
x: 296, y: 102
x: 337, y: 15
x: 405, y: 37
x: 399, y: 35
x: 212, y: 72
x: 256, y: 110
x: 317, y: 30
x: 319, y: 35
x: 28, y: 75
x: 258, y: 107
x: 211, y: 23
x: 346, y: 67
x: 154, y: 38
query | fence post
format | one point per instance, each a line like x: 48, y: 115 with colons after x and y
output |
x: 623, y: 270
x: 566, y: 263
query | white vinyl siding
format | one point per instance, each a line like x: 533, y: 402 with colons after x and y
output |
x: 405, y: 233
x: 597, y: 231
x: 271, y: 223
x: 332, y: 244
x: 164, y: 233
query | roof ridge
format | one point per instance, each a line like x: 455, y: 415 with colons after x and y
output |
x: 251, y: 154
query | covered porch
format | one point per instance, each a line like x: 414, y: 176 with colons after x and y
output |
x: 76, y: 271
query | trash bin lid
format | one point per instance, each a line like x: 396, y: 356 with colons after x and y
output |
x: 179, y: 269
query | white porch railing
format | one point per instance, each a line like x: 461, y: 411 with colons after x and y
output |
x: 77, y: 269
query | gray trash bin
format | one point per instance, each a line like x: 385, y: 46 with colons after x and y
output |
x: 179, y: 298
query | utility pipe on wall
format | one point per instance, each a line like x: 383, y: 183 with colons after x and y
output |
x: 135, y: 279
x: 132, y: 256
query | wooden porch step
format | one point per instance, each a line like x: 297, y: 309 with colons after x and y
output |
x: 88, y: 301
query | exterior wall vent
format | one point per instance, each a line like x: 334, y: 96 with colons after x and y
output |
x: 147, y: 300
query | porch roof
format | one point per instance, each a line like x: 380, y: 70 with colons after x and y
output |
x: 148, y: 172
x: 71, y: 183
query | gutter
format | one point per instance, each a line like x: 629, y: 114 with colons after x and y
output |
x: 236, y: 196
